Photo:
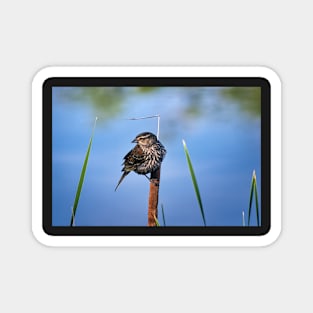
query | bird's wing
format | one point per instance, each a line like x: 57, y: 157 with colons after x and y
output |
x: 133, y: 158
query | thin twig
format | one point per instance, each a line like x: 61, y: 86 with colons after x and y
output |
x: 146, y: 117
x: 142, y: 118
x: 158, y: 133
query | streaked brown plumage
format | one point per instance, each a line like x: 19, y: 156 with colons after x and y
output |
x: 145, y: 157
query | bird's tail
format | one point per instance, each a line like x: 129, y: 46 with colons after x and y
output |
x: 122, y: 177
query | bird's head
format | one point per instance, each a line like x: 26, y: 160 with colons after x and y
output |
x: 145, y: 139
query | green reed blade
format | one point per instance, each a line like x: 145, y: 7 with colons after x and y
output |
x: 194, y: 181
x: 156, y: 221
x: 82, y: 177
x: 251, y: 197
x: 163, y: 216
x: 256, y: 200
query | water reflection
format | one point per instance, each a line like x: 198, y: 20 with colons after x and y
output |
x: 220, y: 125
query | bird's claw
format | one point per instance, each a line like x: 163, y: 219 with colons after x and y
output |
x: 155, y: 182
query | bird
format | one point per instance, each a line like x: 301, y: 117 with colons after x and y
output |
x: 145, y: 157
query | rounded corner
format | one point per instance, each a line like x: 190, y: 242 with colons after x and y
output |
x: 271, y: 237
x: 42, y: 75
x: 270, y: 75
x: 41, y: 236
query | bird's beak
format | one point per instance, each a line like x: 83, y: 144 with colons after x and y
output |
x: 134, y: 141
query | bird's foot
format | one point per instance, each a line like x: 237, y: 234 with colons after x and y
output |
x: 155, y: 182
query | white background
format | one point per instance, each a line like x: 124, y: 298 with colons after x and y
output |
x: 35, y: 34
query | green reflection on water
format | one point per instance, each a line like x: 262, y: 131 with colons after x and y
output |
x: 247, y: 98
x: 109, y: 102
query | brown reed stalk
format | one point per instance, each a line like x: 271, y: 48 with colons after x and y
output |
x: 154, y: 197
